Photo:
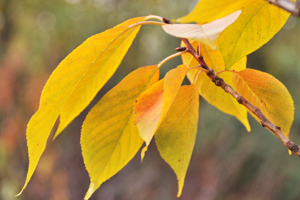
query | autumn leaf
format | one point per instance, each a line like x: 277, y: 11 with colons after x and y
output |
x: 214, y: 95
x: 268, y: 94
x: 207, y: 33
x: 257, y: 24
x: 152, y: 105
x: 207, y: 11
x: 109, y: 137
x: 75, y: 82
x: 147, y: 110
x: 175, y: 138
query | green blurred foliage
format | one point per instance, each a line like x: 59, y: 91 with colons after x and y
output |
x: 228, y: 163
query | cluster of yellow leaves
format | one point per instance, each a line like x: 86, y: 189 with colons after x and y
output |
x: 256, y: 25
x: 209, y: 91
x: 141, y: 106
x: 259, y: 88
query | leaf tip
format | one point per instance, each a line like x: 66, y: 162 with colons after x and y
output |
x: 180, y: 186
x: 90, y: 191
x: 29, y: 174
x: 20, y: 192
x: 246, y: 124
x: 248, y: 129
x: 143, y: 152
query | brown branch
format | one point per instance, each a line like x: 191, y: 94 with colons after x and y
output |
x: 295, y: 149
x: 290, y: 6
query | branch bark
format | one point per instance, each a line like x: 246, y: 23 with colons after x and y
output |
x: 290, y: 6
x: 294, y: 148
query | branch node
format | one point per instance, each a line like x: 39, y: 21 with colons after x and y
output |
x: 292, y: 146
x: 218, y: 81
x: 180, y: 49
x: 198, y: 50
x: 239, y: 99
x: 203, y: 66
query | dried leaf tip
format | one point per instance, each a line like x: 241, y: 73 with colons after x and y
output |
x: 167, y: 21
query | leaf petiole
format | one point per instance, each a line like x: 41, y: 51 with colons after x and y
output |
x: 163, y: 22
x: 169, y: 58
x: 155, y: 17
x: 195, y: 67
x: 146, y: 23
x: 224, y: 71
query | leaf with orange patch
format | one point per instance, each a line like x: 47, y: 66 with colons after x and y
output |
x: 268, y: 94
x: 153, y: 104
x: 109, y: 137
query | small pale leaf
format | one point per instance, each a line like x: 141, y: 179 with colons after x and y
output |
x: 175, y: 138
x: 207, y: 33
x: 109, y: 137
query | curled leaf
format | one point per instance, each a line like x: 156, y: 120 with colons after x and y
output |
x: 207, y: 33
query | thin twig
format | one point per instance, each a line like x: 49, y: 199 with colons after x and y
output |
x: 191, y: 50
x: 290, y: 6
x: 169, y: 58
x: 294, y: 148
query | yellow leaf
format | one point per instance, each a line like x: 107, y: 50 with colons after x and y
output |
x: 175, y: 138
x: 96, y: 59
x: 147, y: 110
x: 207, y: 11
x: 109, y: 137
x: 75, y: 82
x: 268, y: 94
x: 257, y: 24
x: 214, y: 95
x: 152, y: 105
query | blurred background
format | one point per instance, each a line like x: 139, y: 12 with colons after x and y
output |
x: 227, y: 163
